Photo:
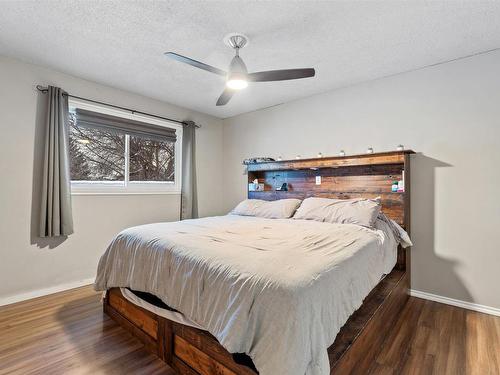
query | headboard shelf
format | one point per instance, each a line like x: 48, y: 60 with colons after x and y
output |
x: 381, y: 158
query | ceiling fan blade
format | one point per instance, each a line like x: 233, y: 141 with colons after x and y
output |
x: 196, y: 64
x: 281, y: 75
x: 226, y: 95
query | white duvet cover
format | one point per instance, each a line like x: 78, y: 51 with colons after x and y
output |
x: 276, y: 289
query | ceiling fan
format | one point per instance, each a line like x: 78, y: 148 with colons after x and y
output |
x: 237, y: 76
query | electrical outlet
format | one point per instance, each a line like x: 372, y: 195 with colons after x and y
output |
x: 318, y: 180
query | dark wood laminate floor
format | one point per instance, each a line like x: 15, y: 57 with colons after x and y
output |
x: 67, y: 333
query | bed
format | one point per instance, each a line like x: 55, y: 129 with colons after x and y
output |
x: 240, y: 295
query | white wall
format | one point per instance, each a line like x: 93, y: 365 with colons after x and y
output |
x: 450, y: 114
x: 28, y: 263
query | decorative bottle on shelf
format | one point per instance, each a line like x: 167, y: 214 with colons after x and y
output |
x: 394, y: 187
x: 401, y: 186
x: 401, y: 183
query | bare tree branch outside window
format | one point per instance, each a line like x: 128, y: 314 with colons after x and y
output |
x: 96, y: 155
x: 151, y: 160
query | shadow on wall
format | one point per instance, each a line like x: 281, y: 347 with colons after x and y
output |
x: 35, y: 239
x: 426, y: 263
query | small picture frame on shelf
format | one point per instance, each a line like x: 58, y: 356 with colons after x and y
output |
x: 255, y: 187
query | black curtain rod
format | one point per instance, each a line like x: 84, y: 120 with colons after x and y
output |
x: 45, y: 90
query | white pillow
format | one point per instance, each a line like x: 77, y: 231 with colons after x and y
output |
x: 360, y: 211
x: 279, y: 209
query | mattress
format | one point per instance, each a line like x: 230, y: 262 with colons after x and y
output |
x: 277, y: 290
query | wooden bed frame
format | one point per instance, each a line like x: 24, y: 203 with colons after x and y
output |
x: 193, y: 351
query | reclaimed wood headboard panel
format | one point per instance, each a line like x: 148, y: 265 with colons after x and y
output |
x: 369, y: 175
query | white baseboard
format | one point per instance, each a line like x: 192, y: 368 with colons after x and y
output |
x: 44, y: 292
x: 456, y: 302
x: 415, y: 293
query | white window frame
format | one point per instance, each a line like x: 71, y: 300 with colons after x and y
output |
x: 127, y: 187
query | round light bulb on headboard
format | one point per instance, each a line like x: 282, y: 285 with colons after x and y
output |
x: 369, y: 150
x: 297, y: 157
x: 320, y: 155
x: 342, y: 153
x: 280, y: 158
x: 400, y: 148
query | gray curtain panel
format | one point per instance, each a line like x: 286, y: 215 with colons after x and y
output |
x: 56, y: 217
x: 189, y: 201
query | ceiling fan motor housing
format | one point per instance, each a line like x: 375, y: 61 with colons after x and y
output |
x: 237, y: 66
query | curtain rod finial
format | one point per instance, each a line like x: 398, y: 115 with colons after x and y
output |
x: 41, y: 88
x: 191, y: 123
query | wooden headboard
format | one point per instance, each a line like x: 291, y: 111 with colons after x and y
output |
x: 344, y: 177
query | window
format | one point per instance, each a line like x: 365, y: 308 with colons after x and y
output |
x: 113, y: 151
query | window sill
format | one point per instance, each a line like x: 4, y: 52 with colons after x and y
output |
x: 173, y: 192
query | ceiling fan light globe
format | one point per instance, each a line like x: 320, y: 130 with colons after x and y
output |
x: 237, y: 84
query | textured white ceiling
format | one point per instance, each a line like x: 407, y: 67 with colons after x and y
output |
x: 121, y: 43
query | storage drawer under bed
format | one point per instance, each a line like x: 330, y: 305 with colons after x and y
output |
x: 188, y: 350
